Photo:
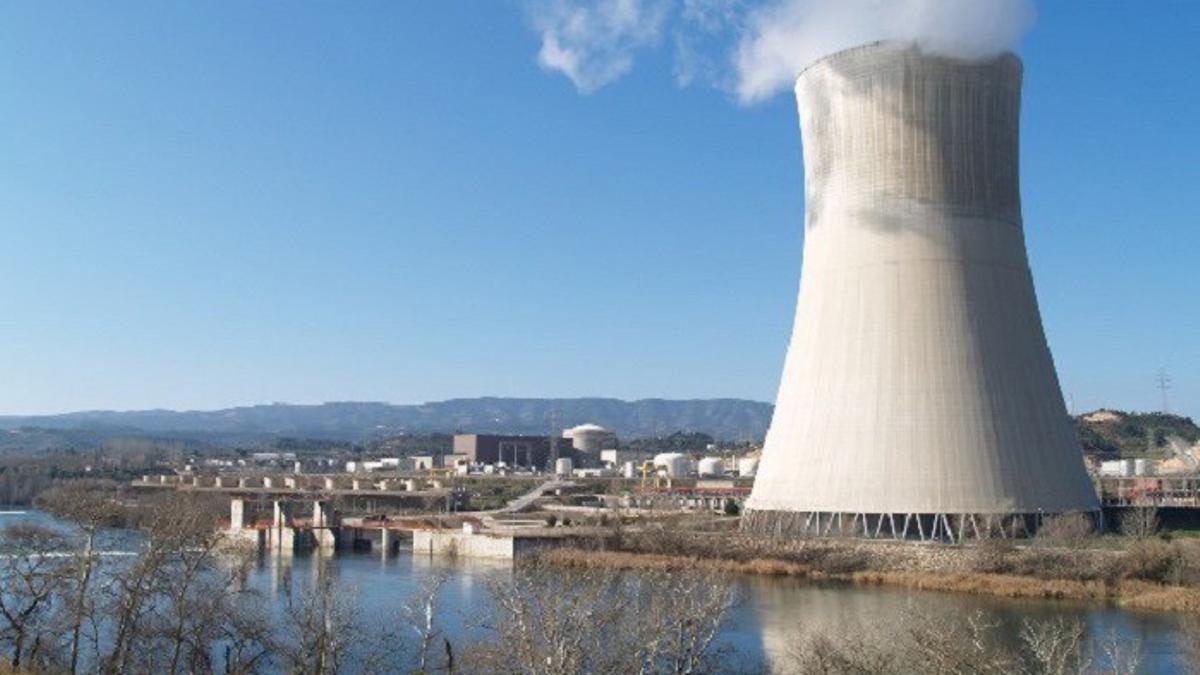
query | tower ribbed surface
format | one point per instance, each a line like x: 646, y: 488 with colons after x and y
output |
x: 918, y: 378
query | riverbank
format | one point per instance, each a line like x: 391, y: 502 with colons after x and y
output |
x: 1149, y: 575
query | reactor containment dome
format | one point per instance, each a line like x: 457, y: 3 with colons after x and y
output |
x: 918, y: 397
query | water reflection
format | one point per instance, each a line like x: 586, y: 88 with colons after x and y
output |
x: 778, y: 612
x: 770, y: 615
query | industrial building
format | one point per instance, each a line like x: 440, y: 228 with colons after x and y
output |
x: 918, y: 396
x: 529, y: 452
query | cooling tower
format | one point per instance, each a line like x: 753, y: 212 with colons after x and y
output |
x: 918, y: 397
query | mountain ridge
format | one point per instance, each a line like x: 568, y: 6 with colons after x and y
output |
x: 724, y: 418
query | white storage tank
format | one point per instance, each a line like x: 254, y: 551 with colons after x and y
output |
x: 629, y: 470
x: 1115, y: 467
x: 676, y: 464
x: 712, y: 466
x: 1144, y: 467
x: 591, y: 438
x: 563, y: 466
x: 747, y: 466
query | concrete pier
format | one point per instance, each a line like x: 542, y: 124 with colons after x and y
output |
x: 488, y: 545
x: 324, y: 527
x: 237, y: 515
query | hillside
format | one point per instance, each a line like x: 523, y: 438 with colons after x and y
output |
x: 1115, y: 433
x: 732, y: 419
x: 1107, y: 433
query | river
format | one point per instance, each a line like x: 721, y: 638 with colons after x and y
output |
x: 768, y: 615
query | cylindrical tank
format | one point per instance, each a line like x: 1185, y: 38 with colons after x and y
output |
x: 629, y: 470
x: 918, y: 378
x: 747, y: 466
x: 711, y: 466
x: 591, y: 438
x: 563, y: 466
x: 675, y: 464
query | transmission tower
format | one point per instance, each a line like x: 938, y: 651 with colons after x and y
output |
x: 555, y: 419
x: 1164, y: 386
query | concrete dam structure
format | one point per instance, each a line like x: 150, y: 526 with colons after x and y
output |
x: 918, y: 398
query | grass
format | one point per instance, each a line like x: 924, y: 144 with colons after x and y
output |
x: 1152, y: 575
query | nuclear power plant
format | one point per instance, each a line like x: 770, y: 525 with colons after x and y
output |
x: 918, y: 398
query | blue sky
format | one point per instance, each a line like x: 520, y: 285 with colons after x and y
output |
x: 213, y: 204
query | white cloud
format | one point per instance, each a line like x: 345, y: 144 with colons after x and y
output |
x: 782, y: 37
x: 701, y: 39
x: 593, y: 43
x: 755, y: 48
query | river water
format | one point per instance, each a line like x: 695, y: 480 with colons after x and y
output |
x: 769, y: 614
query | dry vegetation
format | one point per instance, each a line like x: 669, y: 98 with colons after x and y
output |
x: 921, y: 643
x: 1066, y: 560
x: 603, y: 621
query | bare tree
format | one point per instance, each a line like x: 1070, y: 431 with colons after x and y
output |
x: 324, y: 632
x: 32, y: 572
x: 1122, y: 656
x: 420, y: 613
x: 679, y: 616
x: 246, y: 634
x: 603, y: 621
x: 551, y: 623
x: 960, y: 646
x: 134, y: 593
x: 180, y: 599
x: 206, y: 606
x: 90, y: 506
x: 1140, y: 522
x: 847, y: 653
x: 1073, y: 531
x: 1055, y: 646
x: 956, y: 647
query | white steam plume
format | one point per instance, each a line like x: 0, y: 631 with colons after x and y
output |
x: 785, y: 36
x: 593, y: 43
x: 755, y: 48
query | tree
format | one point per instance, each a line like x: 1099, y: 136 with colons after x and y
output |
x: 678, y: 619
x: 181, y: 598
x: 420, y: 612
x: 1055, y: 646
x: 91, y: 506
x: 603, y: 621
x: 31, y: 577
x: 1072, y: 531
x: 324, y: 631
x: 1139, y: 522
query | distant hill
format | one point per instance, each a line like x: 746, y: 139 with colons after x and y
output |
x: 729, y: 419
x: 1115, y: 433
x: 1108, y: 433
